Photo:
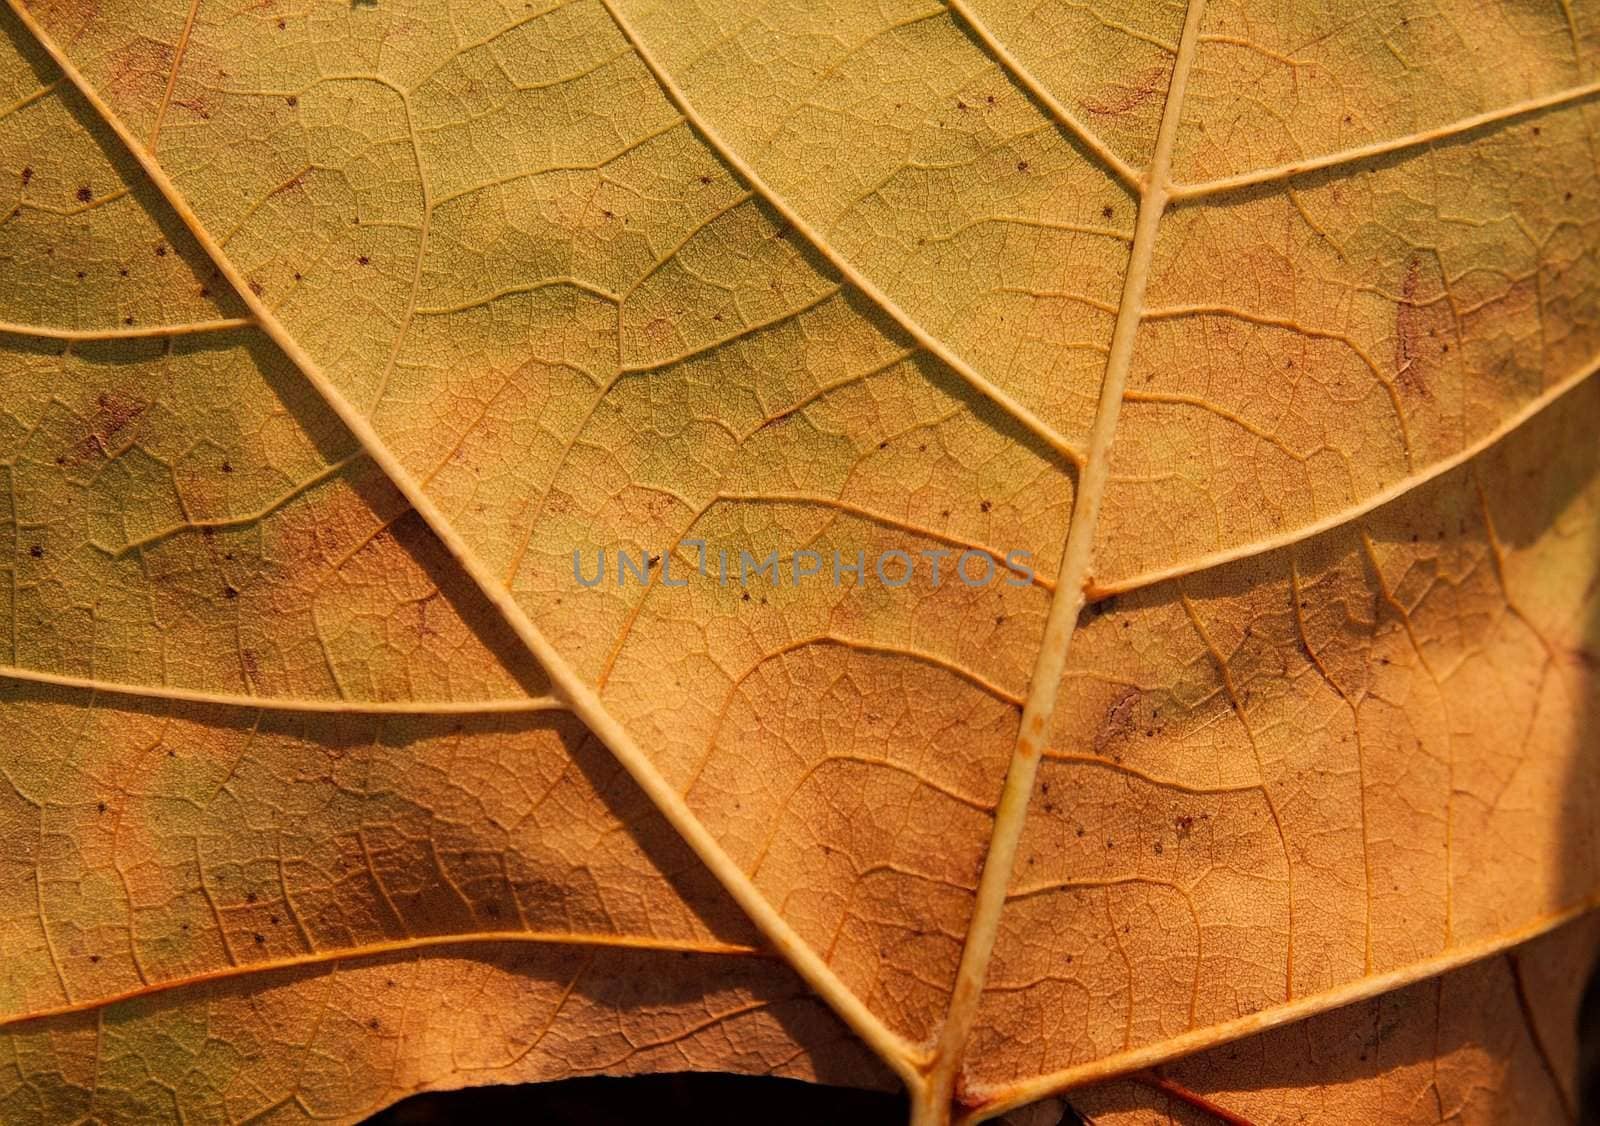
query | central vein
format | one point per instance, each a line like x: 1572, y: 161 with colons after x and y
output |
x: 1065, y: 607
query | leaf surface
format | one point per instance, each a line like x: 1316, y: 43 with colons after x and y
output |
x: 330, y: 334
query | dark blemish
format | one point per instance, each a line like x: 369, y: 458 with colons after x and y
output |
x: 705, y: 179
x: 999, y: 619
x: 1158, y: 848
x: 257, y: 289
x: 373, y: 1024
x: 985, y: 506
x: 1110, y: 843
x: 37, y: 551
x: 608, y: 213
x: 82, y: 274
x: 27, y: 177
x: 1536, y: 130
x: 781, y: 231
x: 250, y: 897
x: 945, y: 513
x: 1566, y: 197
x: 746, y: 596
x: 229, y: 592
x: 297, y: 275
x: 960, y: 105
x: 1410, y: 329
x: 1022, y: 166
x: 1080, y: 830
x: 101, y: 807
x: 283, y: 24
x: 161, y: 250
x: 292, y: 100
x: 205, y: 291
x: 273, y: 919
x: 1118, y: 722
x: 94, y: 959
x: 127, y: 320
x: 1107, y: 212
x: 85, y: 194
x: 388, y: 983
x: 883, y: 445
x: 1184, y: 824
x: 122, y: 273
x: 1121, y: 97
x: 922, y: 447
x: 364, y: 260
x: 260, y: 938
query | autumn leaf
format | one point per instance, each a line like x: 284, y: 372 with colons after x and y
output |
x: 334, y: 336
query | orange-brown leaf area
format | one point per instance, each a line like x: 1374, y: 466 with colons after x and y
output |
x: 1264, y: 332
x: 1488, y: 1043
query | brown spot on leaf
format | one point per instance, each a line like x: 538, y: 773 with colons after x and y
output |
x: 115, y: 412
x: 85, y: 194
x: 1119, y: 97
x: 1119, y: 722
x: 1417, y: 329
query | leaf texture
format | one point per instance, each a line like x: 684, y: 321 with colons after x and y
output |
x: 330, y: 332
x: 1433, y: 1052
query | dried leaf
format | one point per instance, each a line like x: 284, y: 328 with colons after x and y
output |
x: 330, y: 334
